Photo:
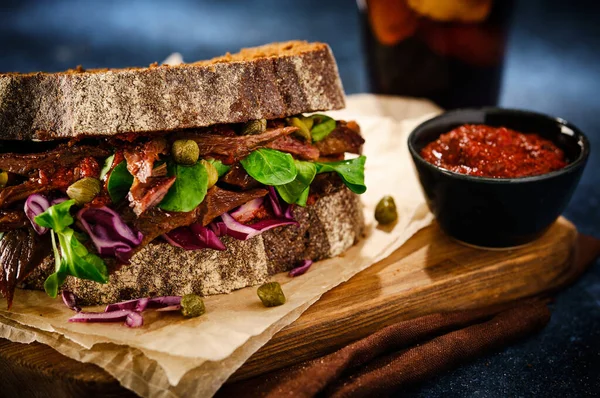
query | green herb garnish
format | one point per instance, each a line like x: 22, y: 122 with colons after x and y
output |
x: 270, y: 167
x: 119, y: 182
x: 107, y: 165
x: 221, y: 168
x: 72, y: 258
x: 352, y: 172
x: 322, y: 127
x: 189, y: 188
x: 297, y: 190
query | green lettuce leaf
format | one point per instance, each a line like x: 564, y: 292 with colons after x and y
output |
x: 297, y: 190
x: 189, y: 188
x: 322, y: 127
x: 270, y: 167
x: 72, y: 258
x: 57, y: 217
x: 119, y: 182
x: 107, y: 165
x: 351, y: 171
x: 221, y: 168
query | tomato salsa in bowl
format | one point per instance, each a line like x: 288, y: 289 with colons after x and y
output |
x: 497, y: 177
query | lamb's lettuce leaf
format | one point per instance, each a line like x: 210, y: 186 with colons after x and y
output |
x: 119, y: 182
x: 72, y: 258
x: 322, y: 126
x: 219, y: 166
x: 297, y: 190
x: 352, y: 172
x: 189, y: 188
x: 270, y: 167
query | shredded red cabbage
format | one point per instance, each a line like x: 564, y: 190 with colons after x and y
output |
x: 280, y: 209
x: 129, y: 311
x: 244, y: 232
x: 70, y: 300
x: 109, y: 233
x: 194, y: 237
x: 131, y: 318
x: 275, y: 203
x: 35, y: 205
x: 301, y: 269
x: 218, y: 227
x: 140, y: 305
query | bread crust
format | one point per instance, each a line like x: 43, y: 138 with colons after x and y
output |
x: 326, y: 229
x: 271, y: 81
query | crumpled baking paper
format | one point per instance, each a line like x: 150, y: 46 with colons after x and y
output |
x: 170, y: 356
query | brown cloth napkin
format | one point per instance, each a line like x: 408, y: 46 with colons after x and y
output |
x: 410, y: 351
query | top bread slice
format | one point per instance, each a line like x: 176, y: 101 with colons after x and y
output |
x: 267, y: 82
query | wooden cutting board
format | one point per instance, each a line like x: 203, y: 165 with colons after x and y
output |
x: 430, y: 273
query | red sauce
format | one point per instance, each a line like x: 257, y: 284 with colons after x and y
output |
x: 498, y: 152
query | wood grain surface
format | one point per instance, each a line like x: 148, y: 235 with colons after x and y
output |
x: 430, y: 273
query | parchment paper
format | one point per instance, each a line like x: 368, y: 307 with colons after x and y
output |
x: 170, y: 356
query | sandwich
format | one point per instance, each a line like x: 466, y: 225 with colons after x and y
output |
x: 169, y: 180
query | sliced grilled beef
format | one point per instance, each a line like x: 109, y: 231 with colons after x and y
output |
x: 9, y: 195
x: 12, y: 219
x: 155, y: 222
x: 61, y: 156
x: 21, y: 250
x: 301, y: 149
x: 231, y: 149
x: 140, y: 158
x: 143, y: 196
x: 238, y: 178
x: 221, y: 200
x: 345, y: 138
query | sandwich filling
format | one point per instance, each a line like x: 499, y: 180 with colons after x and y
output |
x: 94, y: 203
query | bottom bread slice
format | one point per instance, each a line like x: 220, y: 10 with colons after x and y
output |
x: 326, y: 229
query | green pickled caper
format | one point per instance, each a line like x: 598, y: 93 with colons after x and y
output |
x: 84, y: 190
x: 385, y: 211
x: 192, y: 306
x: 254, y: 127
x: 213, y: 174
x: 3, y: 179
x: 303, y: 129
x: 271, y: 294
x: 185, y: 151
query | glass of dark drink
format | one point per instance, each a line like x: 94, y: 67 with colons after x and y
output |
x: 450, y: 51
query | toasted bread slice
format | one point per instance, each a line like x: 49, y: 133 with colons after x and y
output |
x: 271, y: 81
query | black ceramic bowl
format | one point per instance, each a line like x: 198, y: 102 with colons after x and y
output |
x: 499, y: 212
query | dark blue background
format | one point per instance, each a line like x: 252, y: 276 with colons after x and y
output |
x: 553, y: 66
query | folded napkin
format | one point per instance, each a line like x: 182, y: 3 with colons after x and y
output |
x: 410, y: 351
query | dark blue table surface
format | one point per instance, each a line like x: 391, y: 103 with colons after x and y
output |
x: 553, y: 66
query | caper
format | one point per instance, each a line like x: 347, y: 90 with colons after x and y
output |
x: 385, y: 211
x: 185, y: 151
x: 3, y: 179
x: 254, y: 127
x: 303, y: 129
x: 84, y: 190
x: 213, y: 174
x: 271, y: 294
x: 192, y: 306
